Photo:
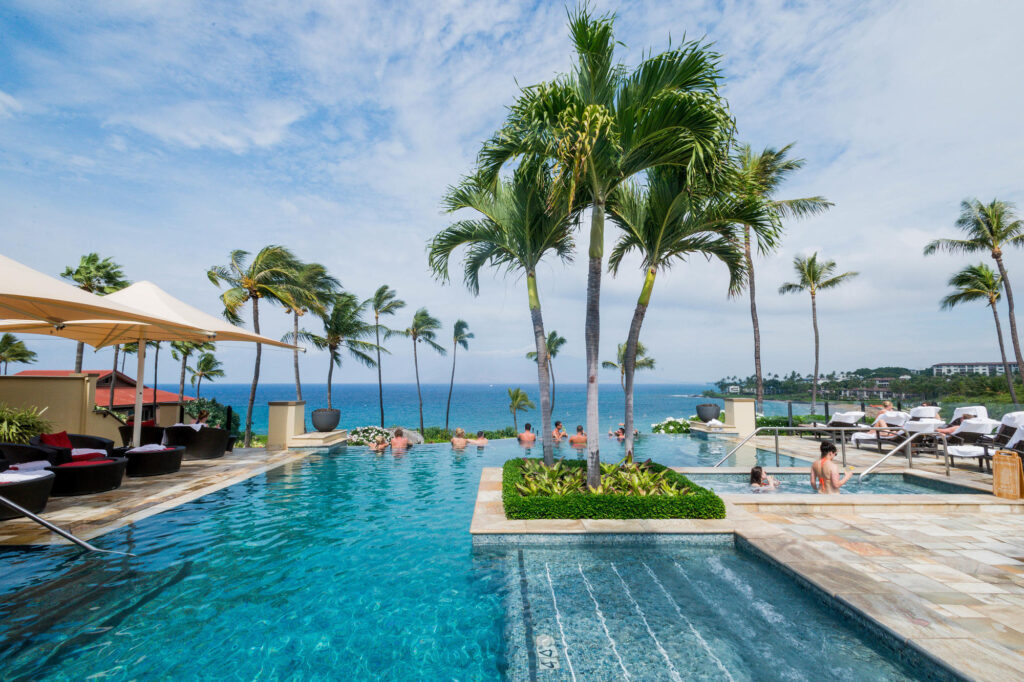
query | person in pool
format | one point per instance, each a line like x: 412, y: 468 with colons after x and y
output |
x: 527, y: 437
x: 579, y: 438
x: 459, y: 440
x: 380, y: 445
x: 399, y: 442
x: 825, y: 474
x: 619, y: 433
x: 559, y: 432
x: 759, y: 479
x: 481, y: 439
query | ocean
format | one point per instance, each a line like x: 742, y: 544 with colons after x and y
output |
x: 474, y: 406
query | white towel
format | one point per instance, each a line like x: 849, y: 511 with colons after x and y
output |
x: 19, y: 477
x: 87, y: 451
x: 151, y: 447
x: 971, y: 451
x: 714, y: 422
x: 37, y: 465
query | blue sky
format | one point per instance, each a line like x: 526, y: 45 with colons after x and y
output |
x: 167, y: 134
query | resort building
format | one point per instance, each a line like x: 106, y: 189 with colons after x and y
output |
x: 122, y: 386
x: 987, y: 369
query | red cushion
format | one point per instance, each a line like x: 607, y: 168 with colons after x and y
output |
x: 57, y: 440
x: 85, y: 463
x: 87, y: 456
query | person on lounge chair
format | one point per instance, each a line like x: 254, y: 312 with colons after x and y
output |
x: 954, y: 425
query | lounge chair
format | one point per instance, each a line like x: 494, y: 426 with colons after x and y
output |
x: 94, y: 473
x: 30, y: 490
x: 206, y: 443
x: 150, y: 435
x: 924, y: 412
x: 890, y: 434
x: 982, y: 447
x: 68, y: 443
x: 979, y: 411
x: 146, y: 462
x: 837, y: 420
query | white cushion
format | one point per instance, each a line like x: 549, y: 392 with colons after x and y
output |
x: 37, y: 465
x: 19, y: 477
x: 851, y: 417
x: 979, y: 411
x: 967, y: 451
x: 982, y: 425
x: 893, y: 418
x: 925, y: 412
x: 923, y: 425
x: 151, y: 447
x: 87, y: 451
x: 1014, y: 419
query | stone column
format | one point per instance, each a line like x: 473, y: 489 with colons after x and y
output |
x: 739, y: 412
x: 287, y: 419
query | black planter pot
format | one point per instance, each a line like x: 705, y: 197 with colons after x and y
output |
x: 325, y: 420
x: 708, y: 411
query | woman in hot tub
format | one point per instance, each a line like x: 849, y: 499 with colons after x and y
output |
x: 759, y: 479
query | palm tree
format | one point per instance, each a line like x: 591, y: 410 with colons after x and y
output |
x: 384, y: 302
x: 666, y: 222
x: 97, y: 276
x: 989, y: 228
x: 603, y: 124
x: 460, y: 337
x: 422, y: 330
x: 514, y: 230
x: 311, y: 289
x: 183, y: 350
x: 814, y: 276
x: 344, y: 330
x: 266, y: 277
x: 207, y: 367
x: 518, y: 402
x: 13, y: 349
x: 553, y: 343
x: 981, y: 283
x: 640, y: 361
x: 759, y: 175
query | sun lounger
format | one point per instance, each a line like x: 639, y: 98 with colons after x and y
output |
x: 979, y: 411
x: 838, y: 420
x: 981, y: 447
x: 95, y: 474
x: 206, y: 443
x: 30, y: 490
x: 924, y: 412
x: 150, y: 434
x: 152, y: 460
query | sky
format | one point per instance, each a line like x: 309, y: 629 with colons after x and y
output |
x: 166, y: 135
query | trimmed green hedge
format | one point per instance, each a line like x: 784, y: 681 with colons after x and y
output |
x: 702, y: 504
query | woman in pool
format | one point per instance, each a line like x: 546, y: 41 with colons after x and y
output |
x: 380, y: 445
x: 459, y: 440
x: 759, y: 479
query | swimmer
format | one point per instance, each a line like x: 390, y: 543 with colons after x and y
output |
x: 825, y: 474
x: 759, y: 479
x: 380, y: 445
x: 459, y: 440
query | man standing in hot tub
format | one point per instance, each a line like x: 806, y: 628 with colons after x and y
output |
x: 825, y: 473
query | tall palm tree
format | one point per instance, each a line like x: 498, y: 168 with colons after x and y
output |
x: 989, y: 228
x: 513, y: 229
x: 518, y: 402
x: 97, y: 276
x: 383, y: 302
x: 603, y: 124
x: 266, y: 277
x: 814, y: 276
x: 640, y: 361
x: 311, y: 288
x: 669, y: 221
x: 981, y: 283
x: 554, y: 344
x: 207, y: 367
x: 183, y: 350
x: 460, y: 337
x: 344, y: 330
x: 13, y: 349
x: 422, y: 330
x: 759, y: 175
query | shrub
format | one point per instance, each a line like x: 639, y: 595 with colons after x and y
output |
x: 218, y: 414
x: 693, y: 502
x: 364, y: 435
x: 435, y: 434
x: 18, y: 425
x: 671, y: 425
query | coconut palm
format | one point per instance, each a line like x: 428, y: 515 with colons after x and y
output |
x: 266, y: 277
x: 207, y: 367
x: 344, y: 330
x: 553, y: 343
x: 422, y: 330
x: 311, y: 288
x: 640, y: 361
x: 759, y: 175
x: 383, y: 302
x: 514, y: 230
x: 814, y: 276
x: 667, y: 222
x: 97, y: 276
x: 603, y: 124
x: 183, y: 350
x: 989, y: 228
x: 460, y: 337
x: 981, y: 283
x: 13, y: 349
x: 518, y: 402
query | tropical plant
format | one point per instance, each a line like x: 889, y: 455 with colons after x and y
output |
x: 460, y: 337
x: 266, y: 277
x: 603, y: 124
x: 183, y: 350
x: 13, y: 349
x: 207, y: 367
x: 671, y: 425
x: 981, y: 283
x: 989, y: 228
x: 518, y: 402
x: 383, y: 302
x: 759, y: 175
x: 422, y: 330
x: 310, y: 288
x: 344, y: 330
x: 97, y: 276
x: 18, y: 424
x: 365, y: 435
x: 514, y: 230
x: 217, y: 414
x: 814, y: 276
x: 554, y: 344
x: 640, y: 361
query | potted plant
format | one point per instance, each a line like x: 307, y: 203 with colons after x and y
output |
x: 708, y: 411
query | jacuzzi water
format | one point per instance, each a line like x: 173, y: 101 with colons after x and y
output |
x: 360, y: 566
x: 873, y: 484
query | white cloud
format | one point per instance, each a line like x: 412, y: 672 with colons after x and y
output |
x: 8, y: 105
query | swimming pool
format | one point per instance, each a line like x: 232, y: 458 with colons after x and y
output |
x: 357, y: 565
x: 874, y: 484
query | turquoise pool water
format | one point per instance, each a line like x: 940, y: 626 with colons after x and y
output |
x: 874, y: 484
x: 361, y: 566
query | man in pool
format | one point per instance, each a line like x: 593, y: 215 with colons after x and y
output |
x: 399, y: 442
x: 579, y: 438
x: 481, y: 439
x: 825, y: 474
x: 559, y: 432
x: 527, y: 437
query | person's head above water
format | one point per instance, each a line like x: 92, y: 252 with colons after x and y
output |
x: 479, y: 434
x: 579, y: 428
x: 527, y: 427
x: 828, y: 448
x: 756, y: 475
x: 558, y: 425
x: 460, y: 432
x: 398, y: 433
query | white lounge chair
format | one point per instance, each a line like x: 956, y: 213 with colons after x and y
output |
x: 1010, y: 434
x: 924, y: 412
x: 979, y: 411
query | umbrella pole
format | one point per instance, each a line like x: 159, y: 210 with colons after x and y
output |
x: 139, y: 376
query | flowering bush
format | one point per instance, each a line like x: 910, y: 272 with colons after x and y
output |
x: 671, y: 425
x: 364, y: 435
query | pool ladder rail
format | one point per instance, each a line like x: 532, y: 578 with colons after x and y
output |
x: 57, y: 529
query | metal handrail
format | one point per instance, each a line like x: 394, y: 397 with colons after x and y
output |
x: 56, y: 529
x: 777, y: 429
x: 910, y: 456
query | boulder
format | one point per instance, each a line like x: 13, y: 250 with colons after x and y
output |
x: 414, y: 436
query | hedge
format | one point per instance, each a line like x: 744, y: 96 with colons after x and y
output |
x: 701, y: 504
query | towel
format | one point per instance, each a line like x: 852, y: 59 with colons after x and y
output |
x: 78, y: 452
x: 37, y: 465
x: 151, y: 447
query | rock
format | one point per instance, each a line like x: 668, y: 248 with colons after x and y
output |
x: 414, y: 436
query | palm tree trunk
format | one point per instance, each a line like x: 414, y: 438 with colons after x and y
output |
x: 592, y: 338
x: 451, y: 385
x: 1013, y: 317
x: 515, y: 422
x: 330, y: 377
x: 181, y: 378
x: 199, y: 385
x: 255, y: 374
x: 543, y: 377
x: 295, y: 354
x: 79, y: 351
x: 759, y: 379
x: 1002, y: 353
x: 113, y: 379
x: 629, y: 361
x: 419, y: 395
x: 380, y: 380
x: 817, y: 346
x: 551, y: 371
